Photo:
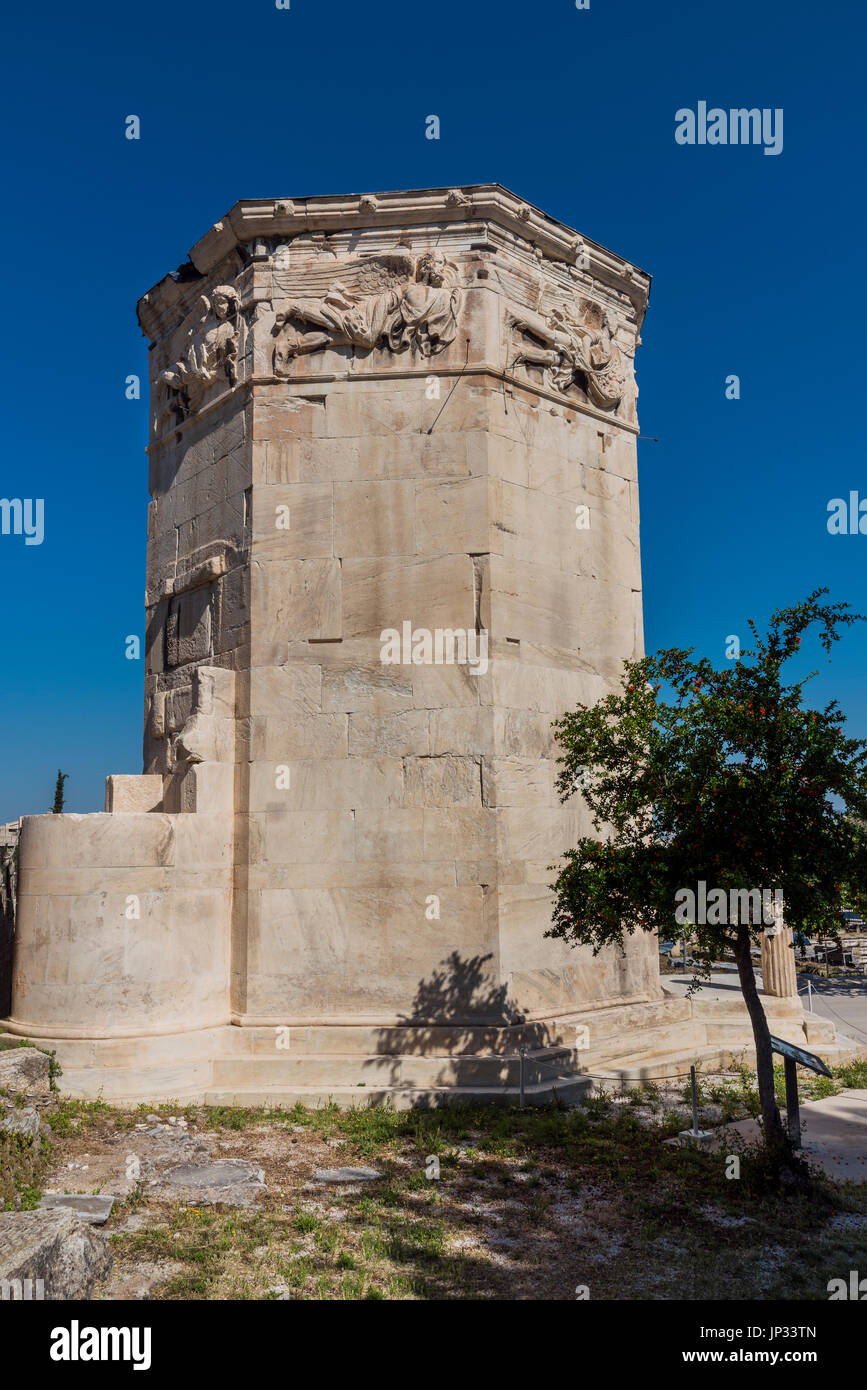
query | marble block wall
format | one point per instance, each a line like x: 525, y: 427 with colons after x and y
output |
x: 385, y: 431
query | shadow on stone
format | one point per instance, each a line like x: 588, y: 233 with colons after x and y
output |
x: 459, y: 1011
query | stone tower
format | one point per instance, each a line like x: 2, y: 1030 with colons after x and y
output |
x: 393, y: 534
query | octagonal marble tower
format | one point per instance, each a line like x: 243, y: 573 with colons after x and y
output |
x: 393, y: 534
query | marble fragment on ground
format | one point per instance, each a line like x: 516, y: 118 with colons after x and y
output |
x: 54, y: 1246
x: 88, y: 1206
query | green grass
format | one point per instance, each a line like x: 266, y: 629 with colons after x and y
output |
x: 528, y: 1204
x: 83, y: 1114
x: 24, y: 1167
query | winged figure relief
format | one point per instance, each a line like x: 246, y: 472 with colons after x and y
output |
x: 573, y: 349
x: 387, y: 298
x: 209, y: 353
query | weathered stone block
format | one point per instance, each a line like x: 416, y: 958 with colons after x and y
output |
x: 293, y: 521
x: 374, y: 518
x: 324, y: 784
x: 67, y: 1254
x: 389, y: 735
x: 300, y: 837
x: 442, y: 781
x: 316, y: 736
x: 297, y: 599
x: 429, y: 593
x: 391, y: 835
x: 133, y: 793
x: 25, y: 1070
x: 452, y: 517
x: 376, y: 689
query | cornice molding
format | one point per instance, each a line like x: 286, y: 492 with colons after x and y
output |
x: 252, y: 219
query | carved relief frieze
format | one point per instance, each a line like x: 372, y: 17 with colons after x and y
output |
x: 390, y: 299
x: 209, y: 355
x: 576, y: 347
x: 560, y: 331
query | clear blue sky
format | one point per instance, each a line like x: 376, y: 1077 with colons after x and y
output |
x: 758, y: 266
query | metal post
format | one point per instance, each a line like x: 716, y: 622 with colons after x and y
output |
x: 810, y: 992
x: 793, y: 1114
x: 522, y: 1051
x: 684, y: 950
x: 694, y: 1102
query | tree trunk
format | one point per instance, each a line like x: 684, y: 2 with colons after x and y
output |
x: 775, y: 1136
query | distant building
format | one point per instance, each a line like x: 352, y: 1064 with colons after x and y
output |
x: 9, y: 834
x: 852, y: 946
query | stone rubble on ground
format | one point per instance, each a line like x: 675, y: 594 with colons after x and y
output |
x: 26, y: 1071
x: 56, y: 1246
x: 346, y: 1175
x: 90, y: 1207
x: 25, y: 1122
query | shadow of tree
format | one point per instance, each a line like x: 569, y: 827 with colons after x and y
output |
x: 460, y: 1011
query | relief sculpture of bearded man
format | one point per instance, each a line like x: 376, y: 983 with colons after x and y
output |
x: 568, y: 347
x: 361, y: 303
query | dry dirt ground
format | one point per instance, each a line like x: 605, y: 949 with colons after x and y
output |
x: 470, y: 1202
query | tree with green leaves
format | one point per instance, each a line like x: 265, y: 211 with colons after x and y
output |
x: 57, y: 808
x: 724, y: 777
